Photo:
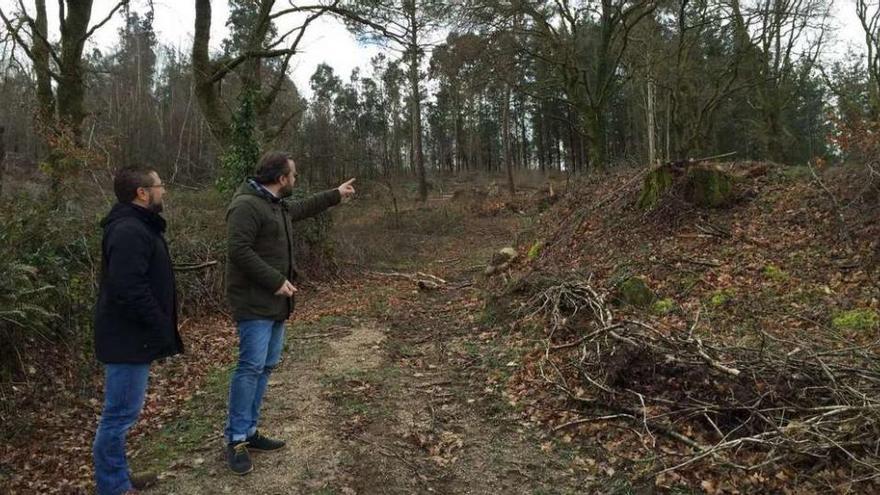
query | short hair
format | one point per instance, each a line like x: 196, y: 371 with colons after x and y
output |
x: 272, y: 166
x: 127, y: 181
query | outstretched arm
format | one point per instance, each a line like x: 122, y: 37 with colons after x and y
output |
x: 317, y: 203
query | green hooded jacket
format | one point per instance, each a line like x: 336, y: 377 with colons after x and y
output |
x: 260, y: 249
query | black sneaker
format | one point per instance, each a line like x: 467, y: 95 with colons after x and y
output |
x: 238, y: 458
x: 260, y: 443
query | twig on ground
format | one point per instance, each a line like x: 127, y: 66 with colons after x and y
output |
x: 778, y: 399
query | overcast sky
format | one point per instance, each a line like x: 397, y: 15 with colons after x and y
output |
x: 326, y: 39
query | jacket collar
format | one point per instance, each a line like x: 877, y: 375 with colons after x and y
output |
x: 152, y: 220
x: 262, y: 191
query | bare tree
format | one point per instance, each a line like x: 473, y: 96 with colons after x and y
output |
x: 209, y: 73
x: 869, y: 17
x: 406, y: 26
x: 586, y: 42
x: 783, y: 40
x: 60, y: 76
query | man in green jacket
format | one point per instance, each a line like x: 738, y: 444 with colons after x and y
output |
x: 260, y: 272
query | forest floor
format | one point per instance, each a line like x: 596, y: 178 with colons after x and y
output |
x: 386, y: 387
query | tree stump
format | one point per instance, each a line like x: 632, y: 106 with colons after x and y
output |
x: 704, y: 185
x: 708, y: 186
x: 656, y: 183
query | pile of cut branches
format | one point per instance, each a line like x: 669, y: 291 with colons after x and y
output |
x: 765, y: 401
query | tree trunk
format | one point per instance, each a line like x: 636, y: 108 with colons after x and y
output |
x: 207, y: 92
x: 252, y: 75
x: 45, y: 96
x: 667, y: 157
x: 70, y: 91
x: 541, y: 143
x: 2, y: 158
x: 456, y: 132
x: 652, y: 154
x: 71, y: 87
x: 505, y: 130
x: 416, y: 118
x: 596, y: 130
x: 416, y: 107
x: 524, y: 142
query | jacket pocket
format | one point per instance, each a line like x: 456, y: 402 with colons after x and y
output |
x: 263, y: 301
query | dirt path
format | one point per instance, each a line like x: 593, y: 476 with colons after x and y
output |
x: 402, y: 393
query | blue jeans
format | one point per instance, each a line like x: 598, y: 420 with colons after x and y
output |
x: 125, y: 386
x: 259, y: 350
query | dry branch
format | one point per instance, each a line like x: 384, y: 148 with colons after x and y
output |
x: 775, y: 401
x: 424, y: 281
x: 193, y: 267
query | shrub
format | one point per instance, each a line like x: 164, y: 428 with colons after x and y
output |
x: 49, y: 268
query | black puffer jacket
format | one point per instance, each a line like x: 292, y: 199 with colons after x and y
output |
x: 136, y: 313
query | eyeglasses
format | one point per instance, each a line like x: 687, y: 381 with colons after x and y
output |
x: 154, y: 185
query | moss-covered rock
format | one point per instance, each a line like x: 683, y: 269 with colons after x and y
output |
x: 656, y: 183
x: 635, y: 292
x: 663, y: 306
x: 856, y: 319
x: 708, y: 186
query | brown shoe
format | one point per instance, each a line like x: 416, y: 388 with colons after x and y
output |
x: 143, y: 480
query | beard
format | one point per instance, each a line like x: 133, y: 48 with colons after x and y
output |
x: 155, y: 206
x: 285, y: 191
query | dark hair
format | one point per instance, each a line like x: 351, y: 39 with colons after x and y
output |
x: 127, y: 181
x: 272, y: 166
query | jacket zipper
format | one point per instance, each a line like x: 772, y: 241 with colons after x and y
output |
x: 289, y: 254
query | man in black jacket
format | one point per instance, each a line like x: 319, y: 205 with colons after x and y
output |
x: 135, y: 317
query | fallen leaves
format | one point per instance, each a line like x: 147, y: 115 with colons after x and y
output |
x: 786, y: 225
x: 54, y: 454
